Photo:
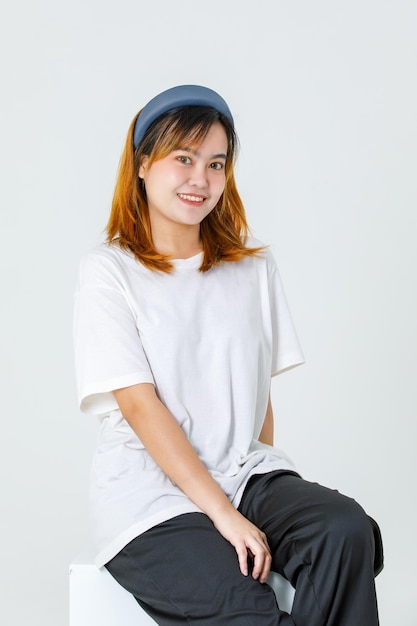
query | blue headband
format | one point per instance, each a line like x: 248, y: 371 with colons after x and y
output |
x: 183, y: 95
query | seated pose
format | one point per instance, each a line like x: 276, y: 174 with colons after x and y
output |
x: 180, y: 322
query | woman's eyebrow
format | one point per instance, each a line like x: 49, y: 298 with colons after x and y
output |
x: 220, y: 155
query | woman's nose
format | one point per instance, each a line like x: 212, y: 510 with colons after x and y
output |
x: 198, y: 176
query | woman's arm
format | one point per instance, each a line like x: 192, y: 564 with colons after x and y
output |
x: 168, y: 445
x: 267, y: 431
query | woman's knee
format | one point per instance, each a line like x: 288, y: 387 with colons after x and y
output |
x: 346, y: 525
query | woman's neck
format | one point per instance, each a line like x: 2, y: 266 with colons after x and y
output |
x: 178, y: 244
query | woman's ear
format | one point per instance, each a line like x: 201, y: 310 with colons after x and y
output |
x: 142, y: 166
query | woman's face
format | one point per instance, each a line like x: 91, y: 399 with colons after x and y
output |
x: 183, y: 187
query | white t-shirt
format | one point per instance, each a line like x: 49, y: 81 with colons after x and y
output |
x: 209, y: 342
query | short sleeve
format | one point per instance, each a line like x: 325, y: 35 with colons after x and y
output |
x: 108, y: 350
x: 286, y: 349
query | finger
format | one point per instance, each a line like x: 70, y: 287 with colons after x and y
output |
x: 262, y: 560
x: 262, y: 567
x: 267, y: 564
x: 266, y: 568
x: 242, y: 555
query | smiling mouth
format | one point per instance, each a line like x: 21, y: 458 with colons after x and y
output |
x: 191, y: 198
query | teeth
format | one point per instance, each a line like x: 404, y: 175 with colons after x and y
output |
x: 184, y: 196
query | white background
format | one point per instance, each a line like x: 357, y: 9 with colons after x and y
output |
x: 325, y: 99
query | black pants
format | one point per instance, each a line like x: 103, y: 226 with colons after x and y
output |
x: 183, y: 571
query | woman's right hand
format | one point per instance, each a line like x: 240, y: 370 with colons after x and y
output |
x: 248, y: 541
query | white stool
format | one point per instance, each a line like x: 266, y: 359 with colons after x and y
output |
x: 97, y: 599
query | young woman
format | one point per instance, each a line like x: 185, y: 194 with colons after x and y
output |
x: 180, y: 323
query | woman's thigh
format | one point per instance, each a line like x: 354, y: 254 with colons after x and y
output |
x: 292, y: 510
x: 184, y: 571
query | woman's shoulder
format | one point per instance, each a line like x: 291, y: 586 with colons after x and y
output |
x: 107, y: 253
x: 265, y: 255
x: 104, y: 263
x: 254, y: 242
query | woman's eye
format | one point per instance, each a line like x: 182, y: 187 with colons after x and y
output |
x: 184, y: 159
x: 216, y: 166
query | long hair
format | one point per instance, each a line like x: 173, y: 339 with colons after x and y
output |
x: 223, y: 231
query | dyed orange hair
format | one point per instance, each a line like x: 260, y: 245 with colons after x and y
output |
x: 223, y: 232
